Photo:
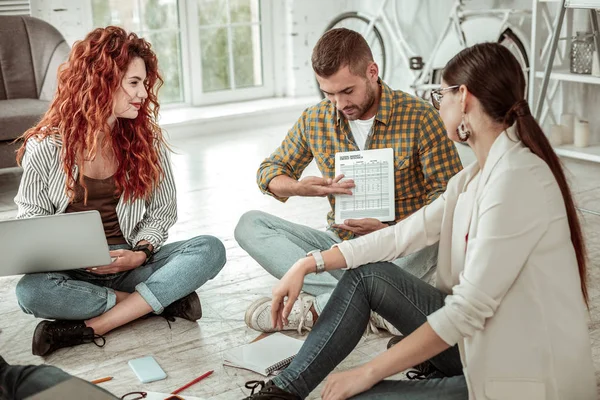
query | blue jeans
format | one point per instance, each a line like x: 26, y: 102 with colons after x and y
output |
x: 22, y: 381
x: 173, y: 272
x: 401, y: 299
x: 276, y: 244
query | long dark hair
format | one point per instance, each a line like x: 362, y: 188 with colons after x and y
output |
x: 496, y: 79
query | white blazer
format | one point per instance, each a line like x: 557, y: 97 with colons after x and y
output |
x: 514, y: 303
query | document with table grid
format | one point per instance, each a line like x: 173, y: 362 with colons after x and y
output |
x: 374, y: 193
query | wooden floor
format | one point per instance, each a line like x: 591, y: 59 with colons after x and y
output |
x: 216, y: 185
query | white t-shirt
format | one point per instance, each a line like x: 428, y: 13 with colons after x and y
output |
x: 360, y: 130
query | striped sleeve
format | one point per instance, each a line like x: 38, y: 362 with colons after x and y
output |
x: 33, y: 194
x: 161, y: 208
x: 291, y: 158
x: 437, y: 153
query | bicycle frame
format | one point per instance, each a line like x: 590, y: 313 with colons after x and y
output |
x: 422, y: 78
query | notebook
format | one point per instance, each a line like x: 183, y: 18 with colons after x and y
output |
x: 265, y: 356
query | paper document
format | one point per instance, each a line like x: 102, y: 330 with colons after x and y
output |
x: 266, y: 356
x: 374, y: 193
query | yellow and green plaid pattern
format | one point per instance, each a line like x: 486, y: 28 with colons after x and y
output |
x: 424, y: 158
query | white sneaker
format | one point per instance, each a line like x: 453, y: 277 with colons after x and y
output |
x: 258, y: 315
x: 377, y: 322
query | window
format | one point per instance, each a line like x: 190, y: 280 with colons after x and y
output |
x: 209, y: 51
x: 229, y: 34
x: 158, y: 22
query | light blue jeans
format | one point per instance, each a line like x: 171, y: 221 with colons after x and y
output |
x: 401, y: 299
x: 173, y: 272
x: 276, y: 244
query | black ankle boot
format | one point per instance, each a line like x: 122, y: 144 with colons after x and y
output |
x: 52, y: 335
x: 268, y: 391
x: 188, y: 308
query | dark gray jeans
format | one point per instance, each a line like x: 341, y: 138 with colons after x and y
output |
x: 401, y: 299
x: 21, y: 381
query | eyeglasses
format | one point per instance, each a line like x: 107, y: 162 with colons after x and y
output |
x: 437, y: 94
x: 134, y: 396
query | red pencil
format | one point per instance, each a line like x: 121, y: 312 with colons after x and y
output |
x: 187, y: 385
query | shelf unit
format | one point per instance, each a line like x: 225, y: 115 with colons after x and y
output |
x: 566, y: 76
x: 590, y: 153
x: 549, y: 61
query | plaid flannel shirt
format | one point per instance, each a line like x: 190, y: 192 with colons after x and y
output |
x: 424, y: 158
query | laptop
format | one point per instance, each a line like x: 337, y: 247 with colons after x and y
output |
x: 53, y: 243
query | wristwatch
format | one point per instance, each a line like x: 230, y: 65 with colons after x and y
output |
x: 145, y: 248
x: 319, y: 259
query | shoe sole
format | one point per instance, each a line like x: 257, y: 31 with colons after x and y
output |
x: 250, y: 310
x: 38, y: 346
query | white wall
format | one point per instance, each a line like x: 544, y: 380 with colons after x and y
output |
x: 298, y: 24
x: 421, y: 21
x: 72, y: 18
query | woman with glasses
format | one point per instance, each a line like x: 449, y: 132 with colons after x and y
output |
x: 511, y: 278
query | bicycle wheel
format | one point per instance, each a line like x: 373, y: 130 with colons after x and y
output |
x: 351, y: 20
x: 509, y: 40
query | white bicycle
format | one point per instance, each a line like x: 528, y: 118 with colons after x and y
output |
x: 463, y: 28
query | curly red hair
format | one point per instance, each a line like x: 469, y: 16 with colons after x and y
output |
x: 87, y: 84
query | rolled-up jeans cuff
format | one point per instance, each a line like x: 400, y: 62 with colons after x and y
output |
x: 150, y: 298
x: 321, y: 301
x: 111, y: 299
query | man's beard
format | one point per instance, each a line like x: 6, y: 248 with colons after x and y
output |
x: 364, y: 106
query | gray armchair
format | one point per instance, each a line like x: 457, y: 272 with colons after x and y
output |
x: 31, y: 50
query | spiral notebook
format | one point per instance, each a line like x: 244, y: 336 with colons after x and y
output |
x: 265, y: 356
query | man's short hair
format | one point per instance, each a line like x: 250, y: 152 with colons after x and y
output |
x: 338, y: 48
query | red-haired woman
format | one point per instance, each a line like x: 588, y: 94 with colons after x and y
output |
x: 99, y: 148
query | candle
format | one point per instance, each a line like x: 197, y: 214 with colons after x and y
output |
x: 595, y: 64
x: 556, y: 135
x: 568, y: 122
x: 581, y: 136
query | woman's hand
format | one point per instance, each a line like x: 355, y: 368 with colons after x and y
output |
x: 342, y: 385
x: 126, y: 260
x: 289, y: 286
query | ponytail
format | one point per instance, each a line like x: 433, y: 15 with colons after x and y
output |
x: 534, y: 138
x: 496, y: 79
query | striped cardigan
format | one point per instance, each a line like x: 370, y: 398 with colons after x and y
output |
x: 42, y: 192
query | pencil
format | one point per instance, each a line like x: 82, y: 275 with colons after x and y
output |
x: 97, y: 381
x: 187, y: 385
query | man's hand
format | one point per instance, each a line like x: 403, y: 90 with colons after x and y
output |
x: 126, y: 260
x: 361, y: 226
x: 315, y: 186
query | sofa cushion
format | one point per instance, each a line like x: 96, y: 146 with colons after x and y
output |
x: 18, y: 115
x: 8, y: 154
x: 30, y: 52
